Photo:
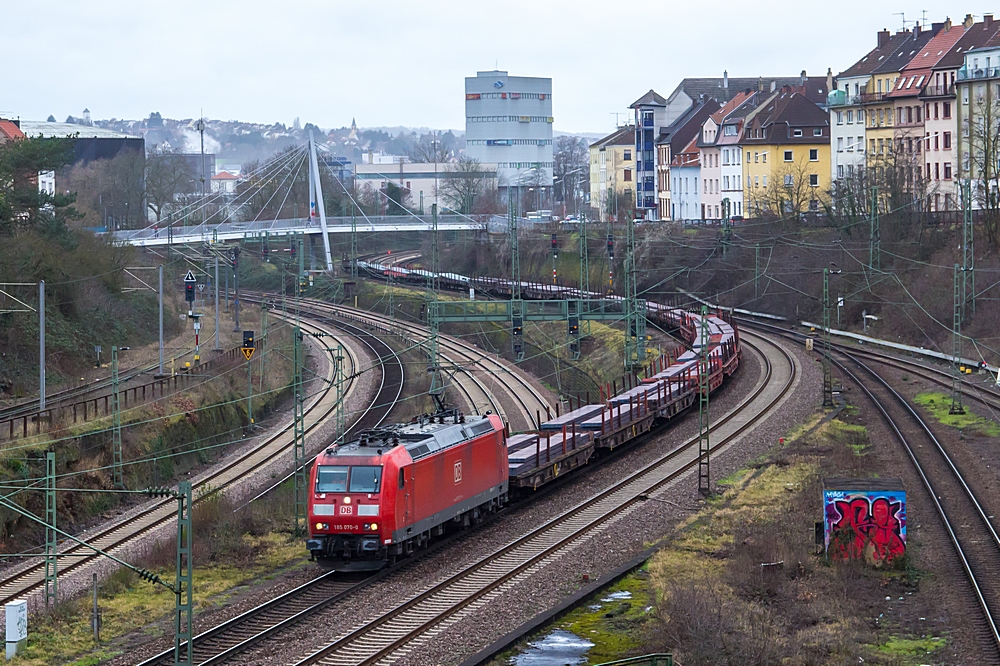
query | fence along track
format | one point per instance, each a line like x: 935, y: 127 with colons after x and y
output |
x: 377, y: 640
x: 974, y: 538
x: 21, y: 582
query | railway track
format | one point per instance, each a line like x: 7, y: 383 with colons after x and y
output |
x: 485, y: 382
x: 114, y: 537
x: 225, y: 642
x: 396, y: 632
x: 976, y: 542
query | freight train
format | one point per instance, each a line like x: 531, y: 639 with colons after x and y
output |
x: 395, y: 488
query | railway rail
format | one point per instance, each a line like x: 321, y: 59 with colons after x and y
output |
x: 976, y: 542
x: 113, y: 537
x: 395, y: 632
x: 964, y: 518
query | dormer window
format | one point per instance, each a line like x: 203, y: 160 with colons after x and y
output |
x: 797, y: 132
x: 729, y: 130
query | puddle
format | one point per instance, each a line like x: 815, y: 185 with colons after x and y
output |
x: 560, y: 648
x: 617, y: 596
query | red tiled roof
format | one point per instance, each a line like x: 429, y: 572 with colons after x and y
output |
x: 10, y: 131
x: 224, y: 175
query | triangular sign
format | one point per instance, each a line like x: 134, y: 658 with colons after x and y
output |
x: 248, y: 352
x: 190, y: 277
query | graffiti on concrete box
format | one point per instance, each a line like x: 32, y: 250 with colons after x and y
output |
x: 865, y: 524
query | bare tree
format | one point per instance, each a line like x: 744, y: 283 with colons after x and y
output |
x: 571, y: 159
x: 430, y: 149
x: 168, y: 175
x: 465, y: 183
x: 790, y: 193
x: 983, y: 133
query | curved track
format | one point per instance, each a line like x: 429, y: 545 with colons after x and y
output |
x: 155, y: 514
x: 390, y: 635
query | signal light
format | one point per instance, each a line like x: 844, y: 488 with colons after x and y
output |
x: 611, y: 246
x: 517, y: 328
x: 248, y: 339
x: 574, y: 325
x: 189, y: 292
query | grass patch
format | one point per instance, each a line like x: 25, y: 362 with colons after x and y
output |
x: 65, y: 636
x: 614, y: 624
x: 938, y: 406
x: 912, y: 647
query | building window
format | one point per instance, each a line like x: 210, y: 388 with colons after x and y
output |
x: 797, y: 132
x: 788, y: 156
x: 850, y: 117
x: 763, y: 180
x: 729, y: 130
x: 881, y: 146
x: 814, y: 154
x: 947, y: 170
x: 789, y: 180
x: 946, y: 109
x: 965, y: 94
x: 627, y: 177
x: 763, y: 157
x: 840, y: 118
x: 756, y: 156
x: 946, y: 140
x: 756, y: 181
x: 937, y: 170
x: 872, y: 145
x: 814, y: 179
x: 817, y: 131
x: 840, y: 171
x: 748, y: 157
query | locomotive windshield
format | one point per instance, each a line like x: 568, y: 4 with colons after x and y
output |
x: 334, y: 479
x: 331, y: 479
x: 365, y: 479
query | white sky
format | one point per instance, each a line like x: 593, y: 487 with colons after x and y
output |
x: 403, y: 63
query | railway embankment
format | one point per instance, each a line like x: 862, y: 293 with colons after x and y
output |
x: 741, y: 577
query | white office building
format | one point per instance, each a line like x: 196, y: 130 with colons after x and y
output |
x: 508, y: 122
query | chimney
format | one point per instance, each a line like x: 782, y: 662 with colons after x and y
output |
x: 987, y: 20
x: 802, y: 78
x: 725, y: 79
x: 884, y: 35
x: 829, y: 79
x: 774, y: 84
x: 760, y: 84
x: 968, y: 22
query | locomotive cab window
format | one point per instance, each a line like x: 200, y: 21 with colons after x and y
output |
x: 365, y: 479
x: 331, y: 479
x: 402, y: 478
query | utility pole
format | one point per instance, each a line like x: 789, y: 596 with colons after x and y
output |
x: 516, y: 305
x: 51, y: 536
x: 263, y: 342
x: 584, y: 262
x: 704, y: 445
x: 160, y: 271
x: 300, y: 480
x: 635, y: 311
x: 827, y: 370
x: 874, y: 235
x: 968, y: 256
x: 340, y: 378
x: 200, y: 126
x: 726, y: 226
x: 611, y: 259
x: 956, y: 346
x: 218, y: 347
x: 41, y: 346
x: 184, y: 578
x: 116, y: 420
x: 354, y: 242
x: 437, y: 383
x: 235, y: 256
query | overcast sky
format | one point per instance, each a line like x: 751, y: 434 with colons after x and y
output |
x: 391, y: 63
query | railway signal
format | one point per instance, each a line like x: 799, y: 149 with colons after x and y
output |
x: 555, y: 255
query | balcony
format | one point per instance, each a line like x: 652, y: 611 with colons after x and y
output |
x: 647, y: 122
x: 841, y: 98
x: 965, y: 74
x: 872, y: 98
x: 938, y: 90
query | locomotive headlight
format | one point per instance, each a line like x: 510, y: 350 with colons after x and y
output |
x: 347, y: 500
x: 319, y: 526
x: 374, y: 526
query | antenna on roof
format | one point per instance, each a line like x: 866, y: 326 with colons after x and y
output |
x: 616, y: 114
x: 923, y: 19
x: 903, y: 15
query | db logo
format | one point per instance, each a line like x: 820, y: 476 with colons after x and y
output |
x: 346, y: 509
x: 458, y: 472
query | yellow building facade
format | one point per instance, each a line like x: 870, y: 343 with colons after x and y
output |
x: 612, y: 173
x: 786, y: 148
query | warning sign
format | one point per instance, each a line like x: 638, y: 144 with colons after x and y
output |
x: 248, y: 352
x: 190, y: 277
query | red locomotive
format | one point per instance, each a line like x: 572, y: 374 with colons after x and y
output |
x: 395, y: 487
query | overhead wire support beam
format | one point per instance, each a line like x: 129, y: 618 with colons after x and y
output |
x: 968, y: 253
x: 635, y: 311
x: 827, y: 370
x: 51, y: 537
x: 704, y: 443
x: 183, y: 581
x: 956, y: 346
x: 116, y: 423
